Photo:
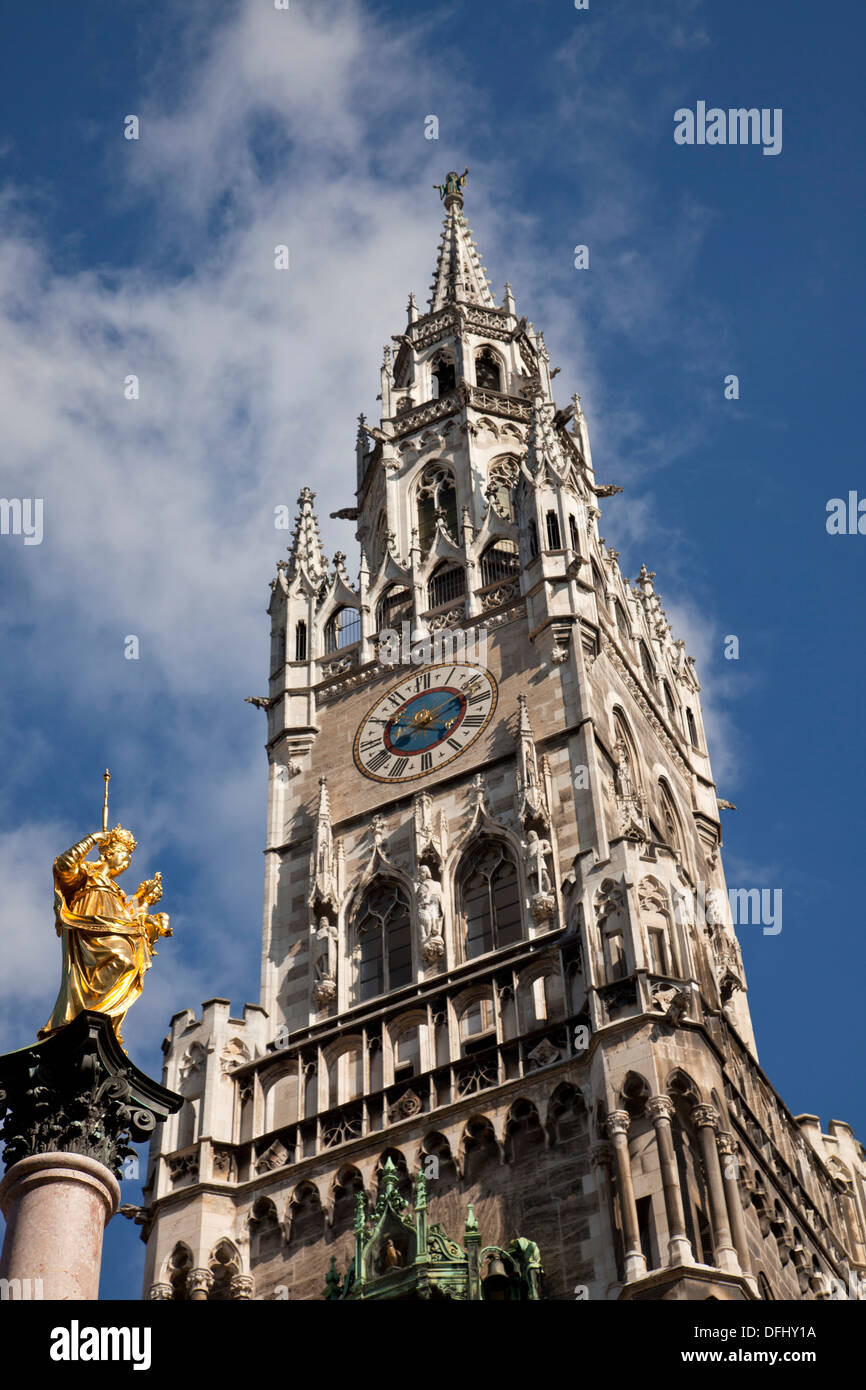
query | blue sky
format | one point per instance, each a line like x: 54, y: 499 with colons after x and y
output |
x: 155, y: 257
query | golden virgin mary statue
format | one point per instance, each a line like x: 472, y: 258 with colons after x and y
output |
x: 108, y: 938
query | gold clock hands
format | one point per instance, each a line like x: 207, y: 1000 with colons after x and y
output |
x: 429, y: 713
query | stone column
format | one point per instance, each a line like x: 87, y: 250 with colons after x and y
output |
x: 706, y: 1119
x: 160, y: 1293
x: 56, y: 1206
x: 660, y: 1110
x: 601, y: 1157
x: 199, y: 1283
x: 242, y: 1286
x: 72, y: 1106
x: 617, y: 1124
x: 730, y: 1176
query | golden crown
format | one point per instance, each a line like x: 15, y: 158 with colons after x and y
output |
x: 120, y: 836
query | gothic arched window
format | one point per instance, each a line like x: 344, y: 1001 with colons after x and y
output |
x: 407, y: 1054
x: 621, y: 619
x: 281, y: 1101
x: 627, y: 775
x: 395, y: 607
x: 554, y: 539
x: 490, y: 899
x: 300, y: 640
x: 501, y: 482
x: 488, y: 373
x: 342, y: 629
x: 383, y: 935
x: 646, y: 663
x: 669, y: 702
x: 436, y: 498
x: 572, y: 531
x: 533, y: 539
x: 443, y: 374
x: 671, y: 819
x: 447, y: 582
x: 656, y: 917
x: 477, y: 1025
x: 499, y: 561
x: 346, y: 1076
x: 690, y: 725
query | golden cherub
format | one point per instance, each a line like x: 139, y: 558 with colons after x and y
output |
x: 108, y: 938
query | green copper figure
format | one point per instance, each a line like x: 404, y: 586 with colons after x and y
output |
x: 453, y: 183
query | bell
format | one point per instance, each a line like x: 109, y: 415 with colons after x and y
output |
x: 496, y: 1281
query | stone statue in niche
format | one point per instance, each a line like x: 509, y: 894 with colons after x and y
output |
x: 325, y: 987
x: 624, y: 783
x: 542, y: 900
x: 428, y: 900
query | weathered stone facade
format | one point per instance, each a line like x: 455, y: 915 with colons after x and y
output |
x: 517, y: 974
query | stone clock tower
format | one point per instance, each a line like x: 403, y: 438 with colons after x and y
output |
x: 503, y: 1047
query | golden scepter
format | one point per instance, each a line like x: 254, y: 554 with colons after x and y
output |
x: 106, y: 777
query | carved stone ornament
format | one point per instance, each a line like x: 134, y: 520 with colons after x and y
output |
x: 324, y: 993
x: 78, y: 1092
x: 544, y: 1054
x: 233, y: 1055
x: 433, y: 949
x: 543, y: 906
x: 408, y: 1105
x: 275, y: 1156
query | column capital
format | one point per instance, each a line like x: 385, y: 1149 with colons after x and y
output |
x: 726, y: 1142
x: 242, y: 1286
x: 160, y: 1292
x: 76, y: 1092
x: 705, y: 1115
x: 199, y: 1281
x: 617, y: 1122
x: 660, y: 1108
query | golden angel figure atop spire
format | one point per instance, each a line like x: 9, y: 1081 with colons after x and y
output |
x: 108, y: 938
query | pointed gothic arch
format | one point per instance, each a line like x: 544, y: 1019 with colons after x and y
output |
x: 225, y: 1266
x: 446, y: 584
x: 500, y: 561
x: 435, y: 498
x: 394, y: 608
x: 342, y: 629
x: 501, y: 484
x: 657, y: 920
x: 673, y: 826
x: 489, y: 898
x: 381, y: 934
x: 479, y: 1148
x: 443, y: 373
x: 622, y: 735
x: 524, y: 1135
x: 177, y: 1269
x: 488, y: 369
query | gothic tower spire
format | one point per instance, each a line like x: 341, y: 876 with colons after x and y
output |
x: 497, y: 945
x: 459, y: 277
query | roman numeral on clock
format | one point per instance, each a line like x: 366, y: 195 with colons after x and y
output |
x: 474, y: 721
x: 381, y: 757
x: 426, y: 762
x: 452, y: 743
x: 475, y: 699
x: 423, y: 681
x: 399, y: 768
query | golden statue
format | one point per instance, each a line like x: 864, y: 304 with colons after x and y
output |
x: 108, y: 938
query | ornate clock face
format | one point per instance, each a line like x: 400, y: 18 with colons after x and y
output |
x: 425, y: 722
